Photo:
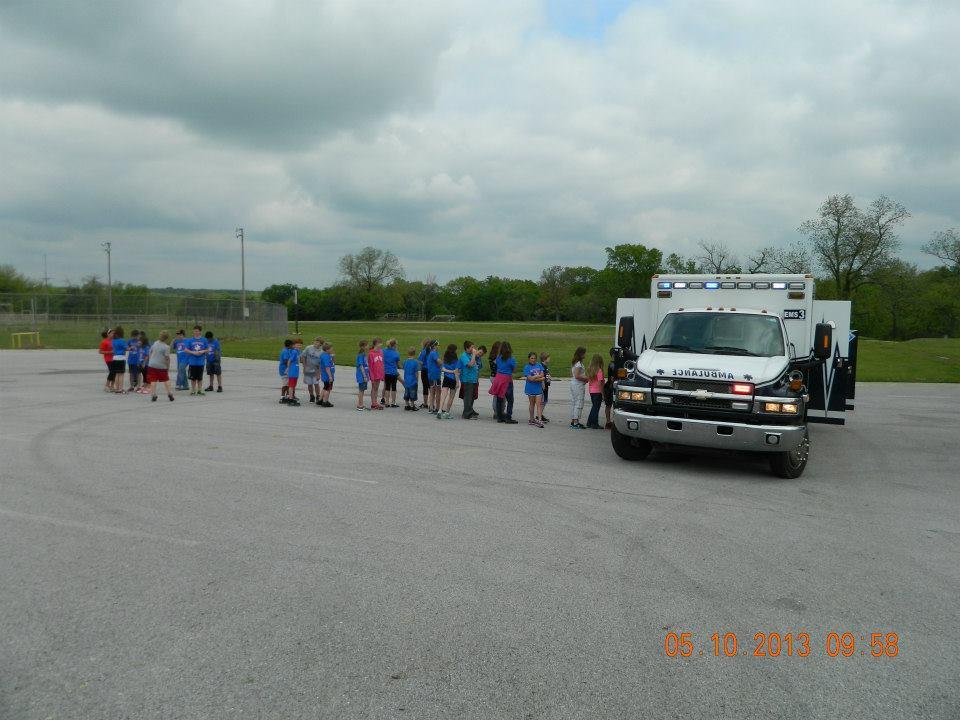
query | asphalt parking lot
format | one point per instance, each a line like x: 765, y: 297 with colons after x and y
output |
x: 227, y: 556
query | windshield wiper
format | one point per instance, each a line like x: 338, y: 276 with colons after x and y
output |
x: 727, y: 349
x: 681, y: 348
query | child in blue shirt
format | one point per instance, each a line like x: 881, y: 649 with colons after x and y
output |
x: 118, y: 363
x: 197, y: 349
x: 391, y: 359
x: 293, y: 371
x: 283, y: 362
x: 411, y: 371
x: 143, y: 355
x: 534, y: 375
x: 133, y: 359
x: 450, y: 374
x: 327, y: 370
x: 180, y: 347
x: 363, y: 376
x: 432, y: 363
x: 213, y: 362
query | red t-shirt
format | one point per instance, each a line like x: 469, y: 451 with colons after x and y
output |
x: 106, y: 350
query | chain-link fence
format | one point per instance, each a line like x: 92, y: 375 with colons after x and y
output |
x: 38, y: 310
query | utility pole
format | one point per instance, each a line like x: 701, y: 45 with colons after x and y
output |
x: 106, y: 248
x: 243, y: 277
x: 296, y: 314
x: 46, y: 285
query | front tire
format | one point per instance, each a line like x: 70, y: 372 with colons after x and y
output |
x: 629, y: 448
x: 790, y: 465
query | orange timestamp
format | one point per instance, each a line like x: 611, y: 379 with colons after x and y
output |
x: 773, y: 644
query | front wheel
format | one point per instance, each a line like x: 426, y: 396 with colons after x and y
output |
x: 791, y: 464
x: 629, y: 448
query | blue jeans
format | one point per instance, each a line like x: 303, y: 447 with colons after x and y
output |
x: 182, y: 376
x: 593, y: 419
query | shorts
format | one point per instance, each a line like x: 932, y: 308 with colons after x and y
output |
x: 195, y: 372
x: 410, y: 393
x: 435, y: 383
x: 328, y: 384
x: 361, y: 386
x: 157, y: 375
x: 292, y: 382
x: 389, y: 383
x: 118, y: 367
x: 449, y: 383
x: 310, y: 379
x: 608, y: 396
x: 213, y: 368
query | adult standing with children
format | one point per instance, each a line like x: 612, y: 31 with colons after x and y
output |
x: 470, y: 363
x: 578, y: 384
x: 391, y: 362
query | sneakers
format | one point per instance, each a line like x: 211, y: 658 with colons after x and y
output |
x: 509, y: 421
x: 576, y: 426
x: 414, y: 408
x: 360, y: 408
x: 209, y: 388
x: 170, y: 398
x: 153, y: 398
x: 220, y: 389
x: 200, y: 392
x: 544, y: 419
x: 283, y: 401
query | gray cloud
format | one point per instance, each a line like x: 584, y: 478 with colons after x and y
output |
x: 465, y: 138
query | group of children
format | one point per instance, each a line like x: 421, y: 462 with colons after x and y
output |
x: 148, y: 364
x: 380, y: 372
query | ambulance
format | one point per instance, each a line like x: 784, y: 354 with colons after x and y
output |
x: 731, y: 362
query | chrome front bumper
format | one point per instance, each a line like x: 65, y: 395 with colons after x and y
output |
x: 709, y: 433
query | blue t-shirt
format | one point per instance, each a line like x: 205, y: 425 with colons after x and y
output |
x: 282, y: 362
x: 422, y: 357
x: 433, y: 369
x: 362, y: 366
x: 180, y: 345
x: 533, y: 388
x: 450, y: 369
x: 411, y: 370
x: 119, y: 347
x: 213, y: 354
x: 197, y: 344
x: 133, y: 352
x: 144, y: 354
x: 469, y: 374
x: 506, y: 367
x: 390, y: 360
x: 327, y: 368
x: 293, y: 358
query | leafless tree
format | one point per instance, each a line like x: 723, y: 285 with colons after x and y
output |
x: 945, y: 245
x: 716, y: 257
x: 370, y: 268
x: 794, y: 260
x: 852, y: 245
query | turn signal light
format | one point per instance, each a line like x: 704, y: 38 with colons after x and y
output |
x: 634, y: 396
x: 742, y: 389
x: 621, y: 373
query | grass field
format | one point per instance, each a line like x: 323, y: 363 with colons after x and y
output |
x: 924, y: 360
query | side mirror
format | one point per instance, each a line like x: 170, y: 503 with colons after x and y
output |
x: 625, y: 333
x: 823, y: 341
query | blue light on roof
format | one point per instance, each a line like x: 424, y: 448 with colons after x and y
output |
x: 711, y: 285
x: 664, y: 285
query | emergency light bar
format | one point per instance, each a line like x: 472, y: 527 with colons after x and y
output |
x: 716, y: 285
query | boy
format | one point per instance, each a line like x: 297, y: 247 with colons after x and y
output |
x: 311, y: 369
x: 133, y: 360
x: 363, y: 374
x: 197, y: 349
x: 158, y: 366
x: 411, y: 373
x: 284, y: 357
x: 433, y: 376
x: 180, y: 347
x: 214, y: 355
x: 327, y: 370
x: 293, y: 371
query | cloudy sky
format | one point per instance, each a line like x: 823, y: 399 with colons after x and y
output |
x: 467, y: 137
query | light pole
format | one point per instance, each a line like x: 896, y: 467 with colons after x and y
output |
x: 106, y: 248
x: 243, y: 277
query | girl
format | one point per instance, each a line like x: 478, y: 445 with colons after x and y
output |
x: 424, y: 375
x: 144, y: 358
x: 434, y: 376
x: 502, y: 386
x: 547, y: 379
x: 391, y: 361
x: 375, y: 365
x: 363, y: 374
x: 118, y: 364
x: 494, y: 354
x: 595, y: 379
x: 450, y: 368
x: 533, y: 372
x: 106, y: 352
x: 327, y: 370
x: 578, y: 380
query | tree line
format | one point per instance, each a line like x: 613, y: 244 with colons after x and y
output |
x: 853, y: 251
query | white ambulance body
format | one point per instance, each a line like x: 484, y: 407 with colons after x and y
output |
x: 739, y: 362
